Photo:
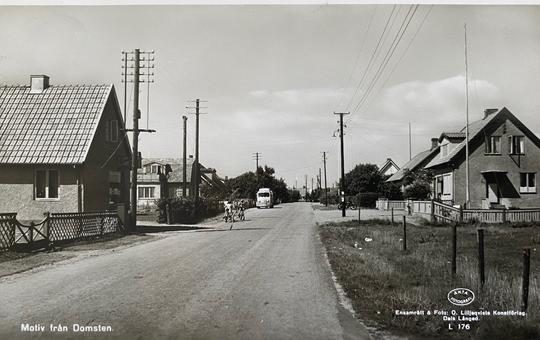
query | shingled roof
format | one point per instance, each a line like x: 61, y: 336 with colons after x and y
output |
x: 174, y: 177
x: 55, y: 126
x: 413, y: 164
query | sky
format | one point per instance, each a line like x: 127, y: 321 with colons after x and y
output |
x: 273, y: 76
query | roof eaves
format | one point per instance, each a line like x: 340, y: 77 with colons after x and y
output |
x: 94, y: 129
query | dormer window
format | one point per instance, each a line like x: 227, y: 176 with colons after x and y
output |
x: 444, y: 150
x: 493, y: 145
x: 155, y: 169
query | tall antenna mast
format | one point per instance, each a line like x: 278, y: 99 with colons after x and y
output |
x: 410, y: 148
x: 467, y: 197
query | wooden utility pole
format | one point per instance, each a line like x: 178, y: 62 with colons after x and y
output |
x: 134, y: 160
x: 325, y: 184
x: 184, y: 161
x: 256, y: 157
x: 196, y: 166
x: 342, y: 181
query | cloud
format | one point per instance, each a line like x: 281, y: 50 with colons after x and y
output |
x: 437, y: 103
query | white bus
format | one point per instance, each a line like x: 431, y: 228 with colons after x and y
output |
x: 265, y: 198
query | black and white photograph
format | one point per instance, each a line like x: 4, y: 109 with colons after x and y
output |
x: 264, y: 169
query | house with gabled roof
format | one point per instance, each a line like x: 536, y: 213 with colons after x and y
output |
x: 417, y: 162
x: 504, y: 160
x: 62, y: 149
x: 388, y: 168
x: 149, y: 186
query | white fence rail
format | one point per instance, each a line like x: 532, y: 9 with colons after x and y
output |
x: 446, y: 213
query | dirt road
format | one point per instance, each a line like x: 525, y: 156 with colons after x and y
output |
x: 265, y: 279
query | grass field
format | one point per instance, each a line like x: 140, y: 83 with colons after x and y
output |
x: 380, y: 278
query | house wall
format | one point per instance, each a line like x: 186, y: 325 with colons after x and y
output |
x: 513, y: 164
x: 17, y: 191
x: 104, y: 157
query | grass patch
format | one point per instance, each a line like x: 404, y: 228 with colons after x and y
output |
x: 380, y: 278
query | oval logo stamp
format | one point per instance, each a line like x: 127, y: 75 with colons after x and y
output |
x: 461, y: 296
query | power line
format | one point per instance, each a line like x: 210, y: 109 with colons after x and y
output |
x: 406, y: 49
x: 388, y: 56
x: 359, y: 51
x: 372, y: 56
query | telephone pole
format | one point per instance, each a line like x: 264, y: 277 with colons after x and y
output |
x: 196, y: 166
x: 184, y: 161
x: 325, y: 184
x: 136, y: 161
x: 342, y: 181
x: 256, y: 157
x: 319, y: 185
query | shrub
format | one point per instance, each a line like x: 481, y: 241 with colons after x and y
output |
x: 187, y: 209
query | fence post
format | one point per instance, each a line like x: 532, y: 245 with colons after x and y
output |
x: 392, y: 216
x: 454, y: 250
x: 168, y: 213
x: 404, y: 232
x: 460, y: 213
x: 31, y: 232
x: 525, y: 282
x: 48, y: 232
x: 101, y: 225
x: 504, y: 216
x: 481, y: 264
x: 432, y: 213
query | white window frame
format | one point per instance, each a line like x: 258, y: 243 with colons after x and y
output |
x: 527, y: 189
x: 512, y: 144
x: 147, y: 192
x: 491, y: 145
x: 47, y: 180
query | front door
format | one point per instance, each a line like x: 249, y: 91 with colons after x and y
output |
x: 493, y: 193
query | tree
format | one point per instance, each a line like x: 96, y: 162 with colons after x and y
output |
x: 247, y: 184
x: 363, y: 178
x: 417, y: 184
x: 390, y: 190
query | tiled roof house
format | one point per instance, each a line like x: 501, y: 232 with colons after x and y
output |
x: 62, y: 149
x: 388, y: 168
x: 148, y: 184
x: 504, y: 161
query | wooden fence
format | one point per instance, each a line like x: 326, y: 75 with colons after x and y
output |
x: 441, y: 212
x: 55, y: 228
x: 7, y: 231
x: 388, y: 205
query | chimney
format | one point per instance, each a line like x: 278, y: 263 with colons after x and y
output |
x: 487, y: 112
x: 434, y: 143
x: 38, y: 83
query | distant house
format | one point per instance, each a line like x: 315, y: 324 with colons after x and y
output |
x: 62, y: 149
x: 149, y: 186
x: 388, y: 168
x: 504, y: 160
x: 419, y: 161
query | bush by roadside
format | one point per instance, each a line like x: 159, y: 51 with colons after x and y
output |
x: 187, y: 209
